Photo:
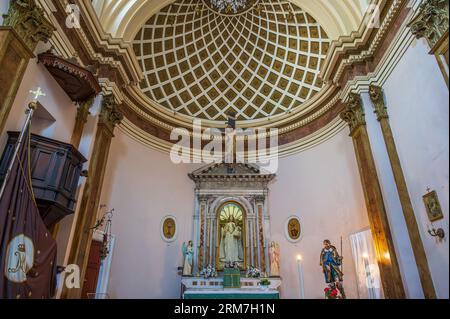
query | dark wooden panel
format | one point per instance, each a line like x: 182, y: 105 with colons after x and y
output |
x: 55, y: 172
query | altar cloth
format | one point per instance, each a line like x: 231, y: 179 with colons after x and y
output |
x: 231, y: 294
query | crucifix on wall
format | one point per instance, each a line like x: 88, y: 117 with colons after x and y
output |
x: 230, y: 137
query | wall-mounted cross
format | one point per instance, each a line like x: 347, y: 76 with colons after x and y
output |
x: 37, y: 93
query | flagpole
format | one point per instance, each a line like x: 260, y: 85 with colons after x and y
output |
x: 31, y: 108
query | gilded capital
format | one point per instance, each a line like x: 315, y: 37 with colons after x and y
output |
x: 353, y: 113
x: 29, y: 21
x: 110, y: 114
x: 377, y: 98
x: 432, y: 21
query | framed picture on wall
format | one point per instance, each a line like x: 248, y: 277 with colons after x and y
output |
x: 432, y: 205
x: 293, y: 229
x: 169, y: 228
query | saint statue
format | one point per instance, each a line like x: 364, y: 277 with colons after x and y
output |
x: 231, y: 247
x: 274, y: 254
x: 188, y: 253
x: 331, y: 262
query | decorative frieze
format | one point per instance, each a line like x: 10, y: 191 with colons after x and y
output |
x: 29, y: 21
x: 377, y: 98
x: 431, y: 22
x: 353, y: 113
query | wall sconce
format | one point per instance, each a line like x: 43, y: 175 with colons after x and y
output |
x: 437, y: 233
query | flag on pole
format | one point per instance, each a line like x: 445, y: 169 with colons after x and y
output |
x: 27, y: 250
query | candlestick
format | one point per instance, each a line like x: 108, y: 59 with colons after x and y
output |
x: 300, y: 274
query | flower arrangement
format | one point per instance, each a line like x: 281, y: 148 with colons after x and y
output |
x: 333, y: 293
x: 232, y: 265
x: 253, y: 272
x: 264, y: 282
x: 208, y: 272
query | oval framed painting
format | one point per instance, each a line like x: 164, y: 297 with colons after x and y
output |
x: 293, y: 229
x: 169, y: 228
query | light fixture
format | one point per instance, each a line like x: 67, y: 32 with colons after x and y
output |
x: 230, y: 7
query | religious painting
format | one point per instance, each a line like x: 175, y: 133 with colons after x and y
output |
x: 169, y: 228
x: 293, y: 229
x: 433, y: 207
x: 231, y: 235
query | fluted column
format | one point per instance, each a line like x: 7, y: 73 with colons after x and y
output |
x: 23, y: 27
x: 109, y: 117
x: 377, y: 98
x: 379, y: 224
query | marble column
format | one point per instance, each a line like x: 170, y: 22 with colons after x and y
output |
x: 390, y: 275
x: 260, y: 233
x: 377, y: 98
x: 202, y: 247
x: 23, y: 27
x: 109, y: 117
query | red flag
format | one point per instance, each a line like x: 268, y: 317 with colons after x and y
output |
x: 27, y: 249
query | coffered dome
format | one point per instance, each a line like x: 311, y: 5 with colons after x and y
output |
x: 261, y: 62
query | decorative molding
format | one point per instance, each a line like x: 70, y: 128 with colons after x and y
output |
x: 431, y: 22
x: 110, y: 115
x: 377, y: 97
x: 354, y: 112
x: 29, y: 21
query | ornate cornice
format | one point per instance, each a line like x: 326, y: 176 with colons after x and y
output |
x: 377, y: 98
x: 29, y: 21
x: 110, y: 114
x: 431, y: 22
x: 353, y: 113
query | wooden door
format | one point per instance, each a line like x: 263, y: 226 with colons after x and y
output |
x: 92, y: 271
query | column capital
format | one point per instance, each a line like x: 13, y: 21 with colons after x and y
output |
x: 83, y: 110
x: 110, y: 114
x: 353, y: 113
x: 431, y: 22
x: 29, y: 21
x: 260, y: 199
x: 377, y: 97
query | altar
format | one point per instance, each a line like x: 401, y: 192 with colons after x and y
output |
x: 212, y: 288
x: 231, y: 235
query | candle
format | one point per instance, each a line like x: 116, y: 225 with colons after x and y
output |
x: 371, y: 292
x: 300, y: 274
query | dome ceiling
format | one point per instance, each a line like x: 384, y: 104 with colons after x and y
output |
x: 258, y: 63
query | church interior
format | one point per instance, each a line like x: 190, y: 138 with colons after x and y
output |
x: 247, y: 149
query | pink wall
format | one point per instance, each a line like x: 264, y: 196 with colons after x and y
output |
x: 144, y: 186
x: 419, y: 112
x: 321, y: 186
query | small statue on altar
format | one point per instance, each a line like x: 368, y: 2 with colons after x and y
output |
x: 331, y: 263
x: 274, y: 254
x: 188, y: 253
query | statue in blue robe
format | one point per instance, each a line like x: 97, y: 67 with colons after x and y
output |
x: 331, y: 262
